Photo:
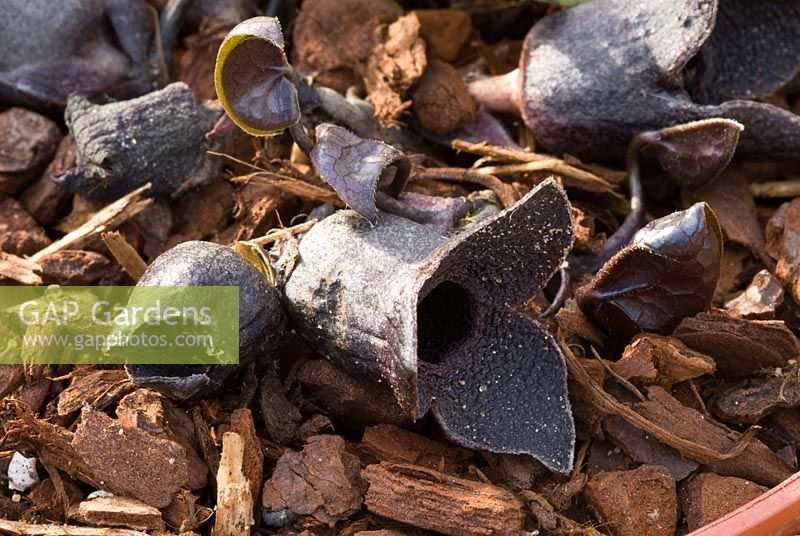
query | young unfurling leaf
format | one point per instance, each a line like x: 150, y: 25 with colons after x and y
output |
x: 669, y: 271
x: 255, y: 83
x: 356, y: 167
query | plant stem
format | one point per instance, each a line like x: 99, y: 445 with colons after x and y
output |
x: 498, y: 93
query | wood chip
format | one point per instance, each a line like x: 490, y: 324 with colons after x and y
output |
x: 652, y: 359
x: 44, y: 199
x: 739, y: 347
x: 253, y: 465
x: 639, y: 446
x: 70, y: 267
x: 126, y: 256
x: 445, y: 31
x: 708, y: 496
x: 389, y: 443
x: 435, y: 501
x: 756, y: 461
x: 17, y: 528
x: 128, y: 461
x: 395, y: 63
x: 637, y: 502
x: 353, y: 401
x: 234, y: 514
x: 184, y: 513
x: 322, y: 481
x: 96, y: 388
x: 20, y: 234
x: 760, y: 300
x: 730, y: 199
x: 281, y: 417
x: 157, y: 415
x: 746, y: 405
x: 105, y: 219
x: 18, y: 269
x: 27, y: 141
x: 118, y: 512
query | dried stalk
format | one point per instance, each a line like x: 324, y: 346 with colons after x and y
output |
x: 234, y: 500
x: 126, y: 256
x: 274, y: 235
x: 504, y: 192
x: 110, y: 217
x: 608, y: 403
x: 790, y: 188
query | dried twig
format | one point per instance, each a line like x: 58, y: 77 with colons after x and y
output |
x: 291, y: 185
x: 234, y: 500
x: 19, y: 269
x: 505, y: 192
x: 625, y: 383
x: 274, y: 235
x: 788, y: 188
x: 106, y: 219
x: 608, y: 403
x: 126, y: 256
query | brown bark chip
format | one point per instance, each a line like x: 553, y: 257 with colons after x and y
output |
x: 760, y: 299
x: 281, y: 417
x: 389, y: 443
x: 634, y: 503
x: 355, y: 402
x: 19, y: 232
x: 333, y: 38
x: 657, y: 360
x: 445, y: 30
x: 118, y: 512
x: 432, y: 500
x: 71, y: 267
x: 97, y: 388
x: 730, y: 198
x: 739, y: 347
x: 27, y: 141
x: 394, y: 65
x: 322, y: 481
x: 783, y: 244
x: 752, y: 403
x: 44, y: 199
x: 756, y: 462
x: 152, y: 412
x: 441, y: 100
x: 709, y: 496
x: 640, y: 446
x: 130, y: 462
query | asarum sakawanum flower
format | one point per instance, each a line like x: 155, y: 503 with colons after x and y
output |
x: 441, y: 320
x: 158, y: 138
x: 87, y: 47
x: 261, y: 316
x: 592, y: 77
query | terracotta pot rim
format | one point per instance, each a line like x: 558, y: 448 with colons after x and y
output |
x: 774, y: 513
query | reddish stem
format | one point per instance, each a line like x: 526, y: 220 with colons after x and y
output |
x: 498, y: 93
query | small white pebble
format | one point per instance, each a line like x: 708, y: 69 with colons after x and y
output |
x: 22, y: 473
x: 99, y: 493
